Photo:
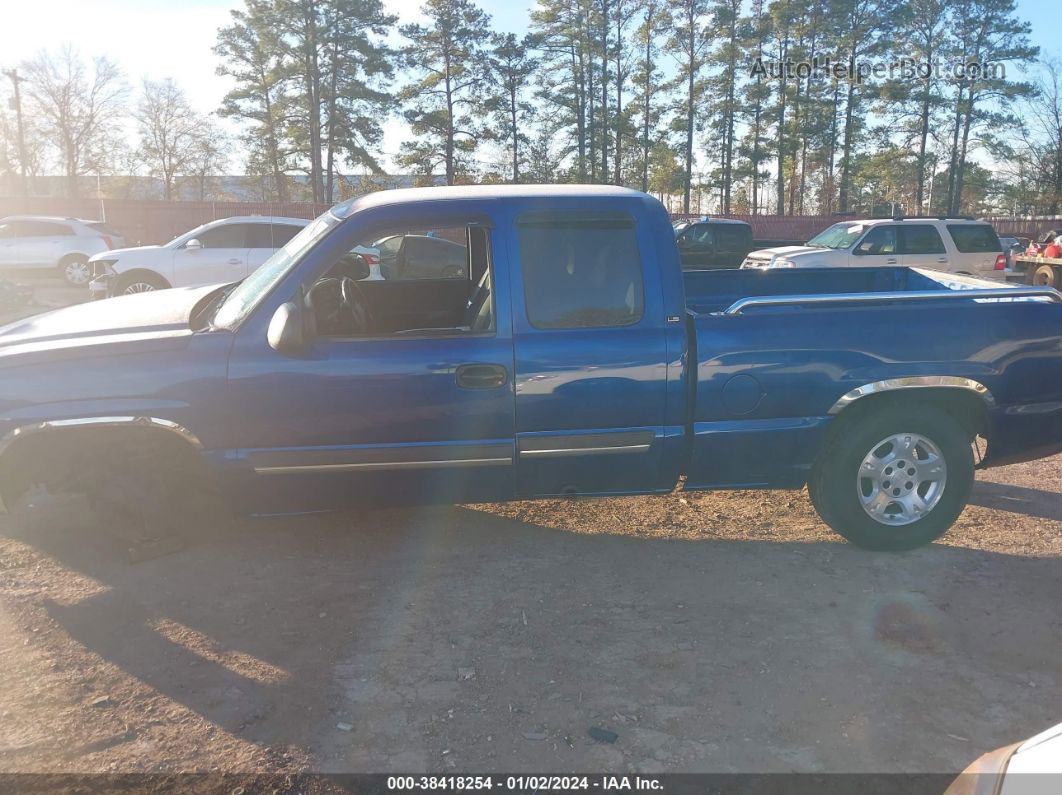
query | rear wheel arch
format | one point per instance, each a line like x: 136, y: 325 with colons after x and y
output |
x: 968, y: 404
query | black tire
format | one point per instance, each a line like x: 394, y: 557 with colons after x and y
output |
x: 74, y: 270
x: 834, y: 486
x: 145, y: 492
x: 1048, y: 276
x: 139, y: 282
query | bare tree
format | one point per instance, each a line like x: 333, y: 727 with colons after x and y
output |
x: 170, y: 133
x: 78, y: 108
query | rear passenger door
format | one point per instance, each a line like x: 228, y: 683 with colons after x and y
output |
x: 590, y: 355
x: 43, y: 243
x: 733, y: 242
x: 923, y: 248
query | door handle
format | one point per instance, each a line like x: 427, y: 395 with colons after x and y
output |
x: 235, y: 261
x: 481, y: 376
x: 942, y: 259
x: 890, y: 261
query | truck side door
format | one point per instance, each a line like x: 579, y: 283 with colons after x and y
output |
x: 696, y: 245
x: 407, y: 408
x: 879, y: 247
x: 590, y: 354
x: 221, y: 257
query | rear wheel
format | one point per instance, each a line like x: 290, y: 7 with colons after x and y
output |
x: 895, y: 478
x: 1048, y: 276
x: 75, y: 270
x: 139, y: 282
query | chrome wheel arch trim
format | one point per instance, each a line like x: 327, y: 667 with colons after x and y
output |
x: 913, y: 382
x: 84, y: 422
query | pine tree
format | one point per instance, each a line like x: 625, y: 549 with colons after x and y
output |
x: 689, y: 42
x: 253, y: 57
x: 450, y: 66
x: 648, y: 81
x: 511, y: 65
x: 989, y: 35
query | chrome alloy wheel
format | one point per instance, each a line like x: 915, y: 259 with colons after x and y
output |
x: 138, y: 287
x: 77, y: 272
x: 901, y: 479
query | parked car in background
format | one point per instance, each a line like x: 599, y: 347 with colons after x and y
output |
x: 712, y: 243
x: 421, y: 257
x: 215, y: 253
x: 959, y: 245
x: 1012, y: 247
x: 1033, y: 767
x: 220, y: 251
x: 44, y: 242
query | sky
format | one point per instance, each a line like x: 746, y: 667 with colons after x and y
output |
x: 157, y: 39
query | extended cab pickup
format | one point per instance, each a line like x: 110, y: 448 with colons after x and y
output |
x: 571, y: 356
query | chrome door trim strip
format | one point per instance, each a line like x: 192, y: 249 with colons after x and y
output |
x: 369, y: 466
x: 913, y: 382
x: 567, y: 451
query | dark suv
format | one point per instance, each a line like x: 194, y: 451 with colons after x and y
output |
x: 712, y: 243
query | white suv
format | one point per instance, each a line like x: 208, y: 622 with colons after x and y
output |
x: 957, y: 245
x: 215, y: 253
x: 41, y: 242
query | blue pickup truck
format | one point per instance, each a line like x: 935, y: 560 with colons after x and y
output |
x: 571, y: 356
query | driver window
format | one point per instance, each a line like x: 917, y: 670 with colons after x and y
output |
x: 413, y: 281
x: 879, y: 240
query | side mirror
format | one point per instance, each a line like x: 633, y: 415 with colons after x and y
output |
x: 193, y: 245
x: 287, y: 333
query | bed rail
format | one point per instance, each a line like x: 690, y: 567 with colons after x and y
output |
x: 736, y: 308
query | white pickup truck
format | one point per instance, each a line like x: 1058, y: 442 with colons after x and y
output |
x: 954, y: 244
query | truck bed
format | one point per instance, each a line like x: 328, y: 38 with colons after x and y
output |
x: 714, y: 291
x: 768, y: 375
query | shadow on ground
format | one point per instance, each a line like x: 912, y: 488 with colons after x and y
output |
x: 455, y: 638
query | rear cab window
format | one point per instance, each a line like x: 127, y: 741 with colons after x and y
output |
x: 581, y: 272
x: 975, y: 238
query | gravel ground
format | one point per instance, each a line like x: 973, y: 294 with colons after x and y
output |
x: 722, y: 632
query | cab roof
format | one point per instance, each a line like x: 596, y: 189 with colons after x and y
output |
x: 485, y: 193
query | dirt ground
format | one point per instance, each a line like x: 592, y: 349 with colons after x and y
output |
x: 722, y: 632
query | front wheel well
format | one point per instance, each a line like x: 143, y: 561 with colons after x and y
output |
x: 77, y: 459
x: 145, y: 274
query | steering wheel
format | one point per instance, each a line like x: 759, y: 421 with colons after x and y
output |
x: 356, y: 307
x: 339, y: 307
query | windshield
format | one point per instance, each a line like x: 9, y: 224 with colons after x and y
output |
x: 255, y: 287
x: 838, y: 236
